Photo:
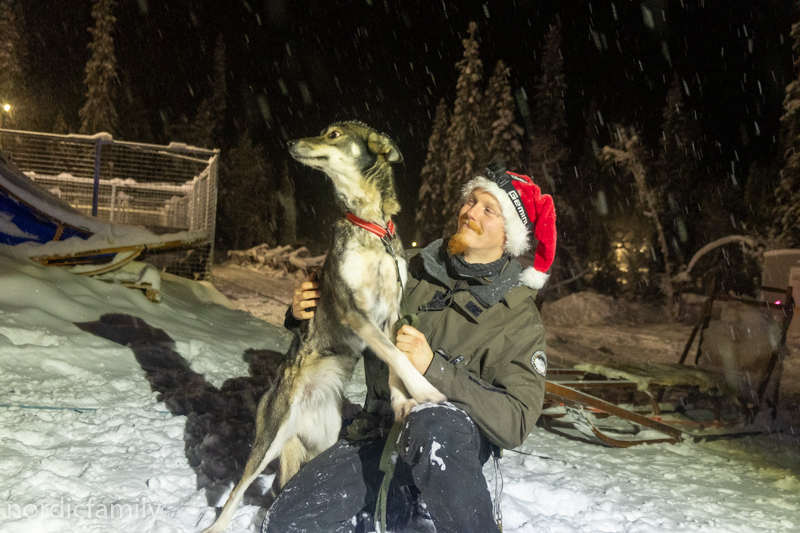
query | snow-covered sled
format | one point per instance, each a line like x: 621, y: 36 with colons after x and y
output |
x: 731, y: 388
x: 42, y: 227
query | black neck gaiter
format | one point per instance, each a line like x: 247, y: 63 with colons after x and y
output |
x: 478, y: 270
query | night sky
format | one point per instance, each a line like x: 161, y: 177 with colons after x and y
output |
x: 295, y: 66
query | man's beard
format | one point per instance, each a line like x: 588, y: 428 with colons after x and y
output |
x: 459, y: 242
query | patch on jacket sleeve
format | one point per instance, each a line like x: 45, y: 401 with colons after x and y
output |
x: 539, y: 363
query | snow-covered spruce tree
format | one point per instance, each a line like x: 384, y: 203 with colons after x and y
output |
x: 629, y: 154
x: 787, y: 212
x: 429, y: 220
x: 460, y: 165
x: 505, y: 142
x: 678, y: 163
x: 12, y: 58
x: 548, y: 150
x: 99, y: 113
x: 487, y: 113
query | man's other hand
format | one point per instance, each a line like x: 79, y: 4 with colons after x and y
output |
x: 413, y: 343
x: 306, y: 297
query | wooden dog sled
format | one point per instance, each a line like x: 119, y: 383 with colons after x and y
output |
x: 721, y: 394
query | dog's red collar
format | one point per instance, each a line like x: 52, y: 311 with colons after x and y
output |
x: 380, y: 231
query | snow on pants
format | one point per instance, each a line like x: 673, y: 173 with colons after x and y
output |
x: 441, y: 457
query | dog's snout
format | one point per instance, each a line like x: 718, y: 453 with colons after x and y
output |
x: 291, y: 143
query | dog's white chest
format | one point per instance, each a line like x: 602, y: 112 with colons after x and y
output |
x: 372, y: 276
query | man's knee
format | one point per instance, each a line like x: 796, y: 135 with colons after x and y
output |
x: 444, y: 424
x: 439, y: 419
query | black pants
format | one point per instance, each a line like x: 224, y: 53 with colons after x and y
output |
x: 441, y: 454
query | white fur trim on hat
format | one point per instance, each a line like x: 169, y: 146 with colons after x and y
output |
x: 516, y: 232
x: 533, y: 278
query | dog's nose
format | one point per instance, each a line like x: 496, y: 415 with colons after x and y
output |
x: 291, y: 143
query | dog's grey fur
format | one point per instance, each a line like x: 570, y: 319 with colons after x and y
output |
x: 300, y: 416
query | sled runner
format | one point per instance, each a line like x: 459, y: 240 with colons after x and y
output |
x: 735, y: 374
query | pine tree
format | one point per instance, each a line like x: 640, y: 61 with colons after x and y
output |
x: 12, y: 58
x: 629, y: 154
x: 787, y: 212
x: 60, y: 124
x: 461, y: 137
x: 548, y: 151
x: 133, y: 123
x: 208, y: 124
x: 487, y: 114
x: 506, y: 135
x: 287, y: 216
x: 99, y: 113
x: 548, y: 147
x: 206, y: 129
x: 248, y: 205
x: 592, y: 243
x: 679, y: 165
x: 429, y: 216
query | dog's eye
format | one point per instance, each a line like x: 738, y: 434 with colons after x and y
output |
x: 333, y: 134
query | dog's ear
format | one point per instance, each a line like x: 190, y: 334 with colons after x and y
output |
x: 382, y: 145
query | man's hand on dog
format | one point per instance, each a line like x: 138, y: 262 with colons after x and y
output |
x: 413, y: 343
x: 305, y: 298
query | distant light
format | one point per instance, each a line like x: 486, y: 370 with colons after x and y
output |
x: 414, y: 244
x: 7, y: 107
x: 778, y: 302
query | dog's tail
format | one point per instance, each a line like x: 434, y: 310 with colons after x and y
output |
x: 418, y: 387
x: 276, y: 423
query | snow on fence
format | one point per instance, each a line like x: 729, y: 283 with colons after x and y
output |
x: 164, y: 188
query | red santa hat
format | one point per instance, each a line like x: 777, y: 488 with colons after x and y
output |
x: 525, y: 210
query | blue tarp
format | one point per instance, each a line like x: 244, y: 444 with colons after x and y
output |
x: 22, y: 221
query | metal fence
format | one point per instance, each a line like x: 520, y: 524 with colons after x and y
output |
x: 167, y: 189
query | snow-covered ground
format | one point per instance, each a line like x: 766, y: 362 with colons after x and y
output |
x: 86, y: 446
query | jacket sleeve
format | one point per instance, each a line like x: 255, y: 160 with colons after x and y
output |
x: 290, y: 322
x: 507, y: 409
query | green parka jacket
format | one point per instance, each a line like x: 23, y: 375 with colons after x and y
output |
x: 484, y: 348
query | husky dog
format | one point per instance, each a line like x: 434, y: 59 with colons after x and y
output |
x: 362, y: 283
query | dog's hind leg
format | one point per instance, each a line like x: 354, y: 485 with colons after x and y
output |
x: 321, y: 420
x: 276, y: 423
x: 318, y: 411
x: 293, y: 456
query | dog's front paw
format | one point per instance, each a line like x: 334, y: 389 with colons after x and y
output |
x: 403, y: 408
x: 421, y: 390
x: 429, y: 394
x: 435, y: 397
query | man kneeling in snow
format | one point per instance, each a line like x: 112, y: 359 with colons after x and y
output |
x: 480, y: 341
